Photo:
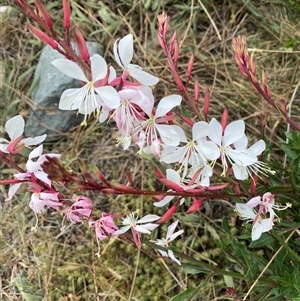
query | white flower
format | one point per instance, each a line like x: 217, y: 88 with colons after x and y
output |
x: 260, y: 225
x: 194, y: 153
x: 35, y: 167
x: 15, y: 128
x: 166, y: 242
x: 90, y: 97
x: 123, y: 52
x: 138, y: 226
x: 243, y: 160
x: 242, y: 170
x: 151, y: 129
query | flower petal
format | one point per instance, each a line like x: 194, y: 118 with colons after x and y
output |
x: 34, y: 141
x: 123, y: 51
x: 99, y: 67
x: 15, y: 127
x: 167, y: 134
x: 141, y: 76
x: 166, y: 104
x: 109, y: 96
x: 148, y: 218
x: 71, y: 99
x: 234, y: 132
x: 12, y: 191
x: 70, y: 68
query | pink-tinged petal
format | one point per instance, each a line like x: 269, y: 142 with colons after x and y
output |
x: 200, y: 130
x: 258, y: 147
x: 22, y: 176
x: 36, y: 204
x: 99, y: 67
x: 70, y: 68
x: 269, y: 197
x: 167, y: 104
x: 167, y: 134
x: 141, y: 76
x: 109, y: 96
x: 148, y: 218
x: 34, y: 141
x: 71, y: 99
x: 136, y: 237
x: 36, y: 152
x: 254, y: 202
x: 12, y: 191
x: 15, y: 127
x: 125, y: 51
x: 233, y: 132
x: 171, y: 255
x: 215, y: 131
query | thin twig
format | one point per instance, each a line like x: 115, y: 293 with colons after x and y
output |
x: 263, y: 271
x: 211, y: 20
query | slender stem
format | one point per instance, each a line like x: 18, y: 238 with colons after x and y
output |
x: 286, y: 246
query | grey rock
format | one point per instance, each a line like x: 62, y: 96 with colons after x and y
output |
x: 46, y: 117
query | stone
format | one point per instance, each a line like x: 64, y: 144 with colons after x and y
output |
x: 46, y: 117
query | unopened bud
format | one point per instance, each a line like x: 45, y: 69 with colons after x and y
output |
x: 43, y: 11
x: 224, y: 119
x: 196, y: 205
x: 206, y: 102
x: 190, y: 67
x: 196, y: 91
x: 81, y: 45
x: 67, y: 13
x: 42, y: 36
x: 167, y: 215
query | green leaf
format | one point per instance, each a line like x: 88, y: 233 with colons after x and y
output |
x: 183, y: 296
x: 295, y: 178
x: 225, y: 225
x: 264, y: 240
x: 244, y: 256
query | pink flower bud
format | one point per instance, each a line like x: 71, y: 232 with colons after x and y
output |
x: 42, y: 36
x: 167, y: 215
x: 224, y: 119
x: 196, y: 205
x: 43, y: 11
x: 81, y: 45
x: 190, y: 67
x: 196, y: 91
x: 67, y: 13
x: 206, y: 102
